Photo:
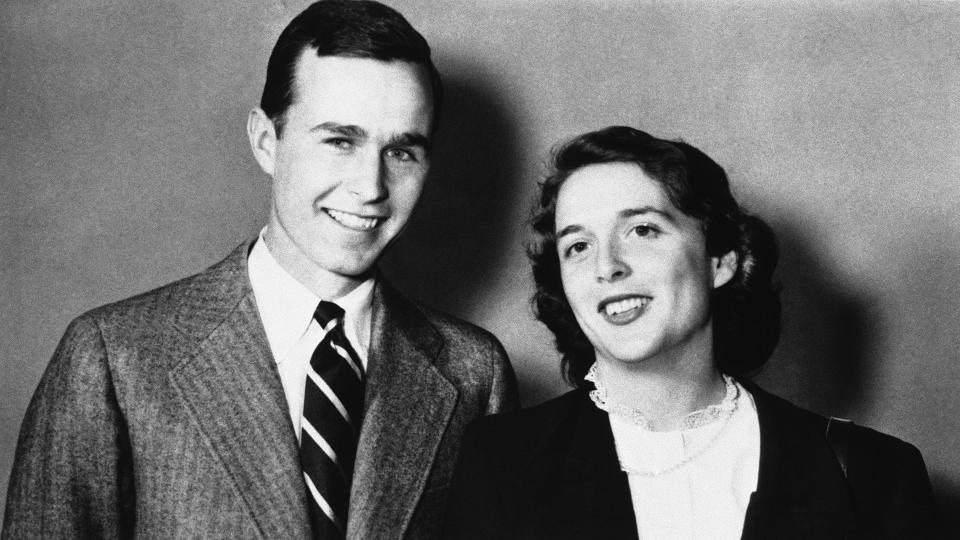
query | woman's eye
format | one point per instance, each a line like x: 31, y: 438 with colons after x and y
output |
x: 574, y: 248
x: 646, y: 230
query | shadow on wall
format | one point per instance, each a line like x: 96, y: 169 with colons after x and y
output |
x: 831, y: 339
x: 462, y: 230
x: 822, y: 361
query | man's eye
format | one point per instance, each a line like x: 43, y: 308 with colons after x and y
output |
x: 340, y: 144
x: 400, y: 154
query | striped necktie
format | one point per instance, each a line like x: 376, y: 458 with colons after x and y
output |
x: 330, y: 427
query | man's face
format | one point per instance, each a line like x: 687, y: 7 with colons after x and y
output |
x: 349, y: 164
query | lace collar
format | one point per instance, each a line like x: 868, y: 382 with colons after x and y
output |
x: 695, y: 419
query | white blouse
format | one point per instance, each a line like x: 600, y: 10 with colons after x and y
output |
x: 693, y: 483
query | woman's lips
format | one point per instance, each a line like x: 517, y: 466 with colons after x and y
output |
x: 623, y: 309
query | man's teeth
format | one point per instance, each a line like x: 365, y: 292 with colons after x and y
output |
x: 615, y: 308
x: 352, y: 221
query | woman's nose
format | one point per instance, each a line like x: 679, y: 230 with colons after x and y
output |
x: 610, y: 265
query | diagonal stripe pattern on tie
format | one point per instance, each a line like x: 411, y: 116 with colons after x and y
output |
x: 330, y: 427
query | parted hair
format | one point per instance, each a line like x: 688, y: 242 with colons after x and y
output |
x: 354, y: 28
x: 745, y: 311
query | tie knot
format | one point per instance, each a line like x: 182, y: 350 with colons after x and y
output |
x: 326, y: 312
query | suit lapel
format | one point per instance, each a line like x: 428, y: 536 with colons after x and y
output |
x: 408, y: 404
x: 801, y: 492
x: 232, y: 391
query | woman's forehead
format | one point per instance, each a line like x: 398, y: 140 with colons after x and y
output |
x: 609, y: 189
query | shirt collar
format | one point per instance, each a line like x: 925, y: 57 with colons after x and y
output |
x: 286, y: 306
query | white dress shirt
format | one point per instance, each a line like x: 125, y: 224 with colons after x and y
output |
x: 706, y: 497
x: 286, y: 308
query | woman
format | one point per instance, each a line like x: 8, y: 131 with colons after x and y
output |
x: 658, y: 289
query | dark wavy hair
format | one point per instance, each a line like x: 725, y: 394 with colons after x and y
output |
x: 355, y: 28
x: 745, y: 310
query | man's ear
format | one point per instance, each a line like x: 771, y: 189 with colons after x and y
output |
x: 263, y: 139
x: 724, y: 268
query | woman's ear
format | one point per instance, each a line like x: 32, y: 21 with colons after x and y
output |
x: 724, y: 268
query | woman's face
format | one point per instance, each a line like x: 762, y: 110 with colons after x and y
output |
x: 635, y: 269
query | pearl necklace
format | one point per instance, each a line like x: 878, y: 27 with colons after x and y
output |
x: 713, y: 413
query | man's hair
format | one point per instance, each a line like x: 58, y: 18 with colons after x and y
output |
x: 353, y: 28
x: 745, y: 310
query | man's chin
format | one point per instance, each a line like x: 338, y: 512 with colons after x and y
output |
x: 357, y: 270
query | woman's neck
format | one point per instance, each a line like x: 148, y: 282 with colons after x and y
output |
x: 664, y: 395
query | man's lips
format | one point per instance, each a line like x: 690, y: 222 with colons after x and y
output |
x: 624, y: 308
x: 354, y: 221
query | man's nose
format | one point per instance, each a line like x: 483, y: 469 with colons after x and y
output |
x: 368, y: 181
x: 610, y: 264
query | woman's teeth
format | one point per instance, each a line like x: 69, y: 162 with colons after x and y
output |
x: 615, y: 308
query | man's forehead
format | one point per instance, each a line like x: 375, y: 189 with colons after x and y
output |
x: 310, y: 64
x: 384, y: 98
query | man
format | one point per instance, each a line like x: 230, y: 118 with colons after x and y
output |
x: 288, y: 390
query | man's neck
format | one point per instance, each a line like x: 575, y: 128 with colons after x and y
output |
x: 323, y: 283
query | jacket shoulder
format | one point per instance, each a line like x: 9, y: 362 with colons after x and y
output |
x: 886, y: 477
x: 457, y: 332
x: 464, y: 345
x: 861, y: 437
x: 158, y: 327
x: 164, y: 302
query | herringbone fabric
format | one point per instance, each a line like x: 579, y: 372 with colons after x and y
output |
x: 330, y: 427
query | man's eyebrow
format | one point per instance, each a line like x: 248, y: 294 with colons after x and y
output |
x: 643, y: 210
x: 410, y: 139
x: 569, y: 229
x: 355, y: 132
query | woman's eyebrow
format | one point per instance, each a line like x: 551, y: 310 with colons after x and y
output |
x: 569, y: 229
x: 643, y: 210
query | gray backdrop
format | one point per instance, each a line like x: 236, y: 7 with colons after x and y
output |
x: 125, y: 165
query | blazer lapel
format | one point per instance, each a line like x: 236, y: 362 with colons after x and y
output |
x: 232, y: 391
x: 801, y: 491
x: 408, y: 404
x: 594, y: 479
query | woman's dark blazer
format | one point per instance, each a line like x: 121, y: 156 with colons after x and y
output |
x: 551, y: 472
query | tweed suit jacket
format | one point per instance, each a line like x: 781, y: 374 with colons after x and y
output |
x: 163, y: 416
x: 551, y: 472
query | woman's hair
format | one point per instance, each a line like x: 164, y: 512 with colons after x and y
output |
x: 745, y: 310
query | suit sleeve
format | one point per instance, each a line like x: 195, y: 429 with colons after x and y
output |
x: 503, y: 389
x: 71, y: 474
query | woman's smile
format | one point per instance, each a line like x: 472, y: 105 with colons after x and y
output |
x: 623, y: 309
